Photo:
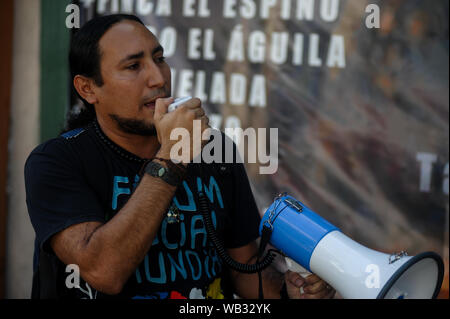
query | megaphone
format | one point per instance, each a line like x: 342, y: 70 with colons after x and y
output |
x: 355, y: 271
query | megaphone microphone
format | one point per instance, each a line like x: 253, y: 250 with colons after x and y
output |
x: 313, y: 245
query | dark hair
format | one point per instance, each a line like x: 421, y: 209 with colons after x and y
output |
x: 84, y: 59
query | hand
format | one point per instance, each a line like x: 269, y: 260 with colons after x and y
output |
x: 182, y: 118
x: 313, y: 286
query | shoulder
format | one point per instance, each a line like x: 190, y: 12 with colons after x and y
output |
x: 62, y: 149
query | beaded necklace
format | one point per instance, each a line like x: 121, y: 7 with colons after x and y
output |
x: 115, y: 148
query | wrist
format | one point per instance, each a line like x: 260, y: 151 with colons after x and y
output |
x: 163, y: 155
x: 162, y: 170
x: 163, y: 152
x: 179, y: 169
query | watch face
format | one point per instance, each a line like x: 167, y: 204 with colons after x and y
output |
x: 156, y: 170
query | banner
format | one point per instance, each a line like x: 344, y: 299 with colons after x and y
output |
x: 358, y: 91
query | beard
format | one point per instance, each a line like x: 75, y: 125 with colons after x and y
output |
x: 136, y: 127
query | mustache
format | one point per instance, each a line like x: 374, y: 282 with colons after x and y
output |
x: 160, y: 93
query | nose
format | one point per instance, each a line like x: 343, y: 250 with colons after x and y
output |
x: 155, y: 77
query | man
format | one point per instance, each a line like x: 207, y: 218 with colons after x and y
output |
x: 106, y: 199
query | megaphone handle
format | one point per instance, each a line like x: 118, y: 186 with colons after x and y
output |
x: 304, y: 274
x: 294, y: 267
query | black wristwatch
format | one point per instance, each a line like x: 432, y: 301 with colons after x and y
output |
x: 157, y: 170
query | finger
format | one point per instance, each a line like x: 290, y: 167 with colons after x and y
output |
x: 192, y: 104
x: 312, y: 279
x: 295, y: 279
x: 320, y: 295
x: 327, y: 293
x: 161, y: 107
x: 293, y: 283
x: 316, y: 288
x: 199, y: 113
x: 205, y: 121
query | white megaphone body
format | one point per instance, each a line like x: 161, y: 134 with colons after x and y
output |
x: 314, y: 245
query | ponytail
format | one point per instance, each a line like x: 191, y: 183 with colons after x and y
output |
x: 78, y: 119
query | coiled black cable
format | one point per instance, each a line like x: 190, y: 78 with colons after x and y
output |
x: 218, y: 244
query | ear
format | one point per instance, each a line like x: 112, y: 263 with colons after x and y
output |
x: 86, y: 88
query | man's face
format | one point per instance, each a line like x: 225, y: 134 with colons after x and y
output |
x: 134, y: 74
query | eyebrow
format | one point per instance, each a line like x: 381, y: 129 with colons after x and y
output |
x: 141, y: 54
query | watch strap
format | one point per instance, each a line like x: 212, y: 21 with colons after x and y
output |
x: 159, y: 171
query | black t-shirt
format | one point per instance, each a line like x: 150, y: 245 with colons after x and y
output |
x: 82, y: 176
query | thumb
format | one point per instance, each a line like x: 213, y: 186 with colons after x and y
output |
x: 161, y: 107
x: 293, y: 284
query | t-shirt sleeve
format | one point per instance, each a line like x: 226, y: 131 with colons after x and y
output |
x: 245, y: 217
x: 58, y: 195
